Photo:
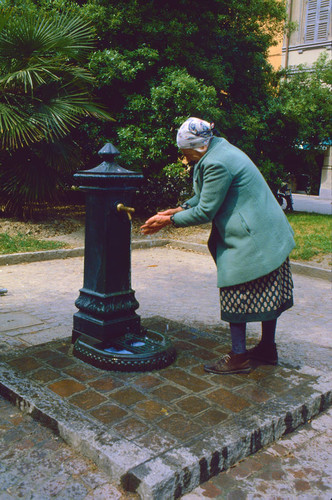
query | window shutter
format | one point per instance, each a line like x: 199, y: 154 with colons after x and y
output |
x: 317, y: 20
x: 323, y: 20
x: 311, y: 21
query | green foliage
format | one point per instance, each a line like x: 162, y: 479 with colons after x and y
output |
x: 171, y: 187
x: 111, y: 65
x: 306, y: 97
x: 292, y: 128
x: 44, y: 93
x: 157, y: 193
x: 36, y: 174
x: 23, y: 243
x: 147, y: 141
x: 157, y: 62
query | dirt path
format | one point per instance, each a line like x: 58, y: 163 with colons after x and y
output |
x: 66, y: 224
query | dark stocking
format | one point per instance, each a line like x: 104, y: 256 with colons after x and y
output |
x: 238, y: 333
x: 268, y: 331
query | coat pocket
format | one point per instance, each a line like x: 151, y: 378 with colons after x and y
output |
x: 244, y: 224
x: 232, y: 226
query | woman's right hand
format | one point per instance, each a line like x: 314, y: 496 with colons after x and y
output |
x: 171, y: 211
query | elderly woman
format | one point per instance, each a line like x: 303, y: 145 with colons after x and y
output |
x: 250, y: 240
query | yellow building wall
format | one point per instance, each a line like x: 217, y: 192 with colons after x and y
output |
x: 275, y: 55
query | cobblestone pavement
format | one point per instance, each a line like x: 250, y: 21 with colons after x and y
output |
x: 179, y: 286
x: 36, y: 464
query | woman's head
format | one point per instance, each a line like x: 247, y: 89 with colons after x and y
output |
x: 194, y: 134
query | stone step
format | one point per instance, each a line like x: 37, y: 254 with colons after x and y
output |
x: 162, y: 434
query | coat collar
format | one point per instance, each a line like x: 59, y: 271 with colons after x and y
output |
x: 215, y: 141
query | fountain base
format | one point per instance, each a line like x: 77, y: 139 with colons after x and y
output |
x: 146, y: 351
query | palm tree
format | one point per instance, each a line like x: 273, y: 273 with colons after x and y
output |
x: 44, y: 93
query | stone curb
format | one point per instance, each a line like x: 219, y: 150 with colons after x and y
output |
x: 312, y: 271
x: 94, y: 440
x: 179, y: 470
x: 64, y: 253
x: 304, y: 269
x: 26, y: 257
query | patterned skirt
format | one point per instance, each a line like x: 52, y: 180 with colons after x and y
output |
x: 262, y: 299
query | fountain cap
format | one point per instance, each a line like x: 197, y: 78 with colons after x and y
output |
x: 108, y: 151
x: 109, y: 173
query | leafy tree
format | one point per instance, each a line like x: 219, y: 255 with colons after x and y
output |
x: 158, y: 61
x: 44, y: 93
x: 222, y: 46
x: 306, y: 97
x: 293, y: 127
x: 153, y: 119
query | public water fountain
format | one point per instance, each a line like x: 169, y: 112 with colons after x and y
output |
x: 107, y: 331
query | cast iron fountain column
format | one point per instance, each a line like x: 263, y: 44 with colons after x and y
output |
x: 107, y: 331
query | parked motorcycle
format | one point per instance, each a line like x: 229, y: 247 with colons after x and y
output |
x: 284, y: 197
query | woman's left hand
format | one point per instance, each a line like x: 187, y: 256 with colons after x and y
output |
x: 155, y: 223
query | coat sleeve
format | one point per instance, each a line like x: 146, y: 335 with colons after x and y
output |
x: 192, y: 202
x: 215, y: 184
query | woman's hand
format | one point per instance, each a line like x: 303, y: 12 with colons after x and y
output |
x: 155, y: 223
x: 170, y: 211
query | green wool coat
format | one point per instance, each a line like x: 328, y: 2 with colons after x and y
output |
x: 250, y: 234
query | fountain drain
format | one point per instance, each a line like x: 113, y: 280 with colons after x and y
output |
x: 148, y: 351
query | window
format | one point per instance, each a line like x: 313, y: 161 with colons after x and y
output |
x: 317, y: 20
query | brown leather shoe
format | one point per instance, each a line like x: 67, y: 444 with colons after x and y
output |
x: 230, y: 363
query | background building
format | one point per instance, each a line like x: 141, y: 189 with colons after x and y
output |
x: 312, y: 35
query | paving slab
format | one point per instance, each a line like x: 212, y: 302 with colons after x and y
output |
x: 312, y: 203
x: 11, y: 321
x: 178, y: 417
x: 160, y: 434
x: 175, y: 284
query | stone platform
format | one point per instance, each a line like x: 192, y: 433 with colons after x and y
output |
x: 162, y: 433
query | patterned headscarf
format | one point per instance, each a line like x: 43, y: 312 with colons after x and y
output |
x: 194, y: 133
